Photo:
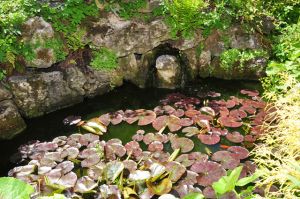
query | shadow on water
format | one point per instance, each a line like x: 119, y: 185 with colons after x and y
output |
x: 126, y: 97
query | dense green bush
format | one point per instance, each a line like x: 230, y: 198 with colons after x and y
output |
x: 104, y: 59
x: 236, y: 56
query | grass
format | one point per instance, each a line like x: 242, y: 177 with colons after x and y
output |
x: 278, y: 156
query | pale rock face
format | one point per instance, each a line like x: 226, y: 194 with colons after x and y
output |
x: 168, y: 72
x: 11, y: 122
x: 37, y: 31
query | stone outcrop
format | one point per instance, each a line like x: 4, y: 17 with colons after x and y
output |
x: 36, y: 32
x: 41, y: 93
x: 11, y: 122
x: 168, y: 72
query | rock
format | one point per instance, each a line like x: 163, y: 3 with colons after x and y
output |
x: 126, y: 37
x: 41, y: 93
x: 168, y: 72
x: 4, y: 93
x: 36, y: 32
x: 11, y: 122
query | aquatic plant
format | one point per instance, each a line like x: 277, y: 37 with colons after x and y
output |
x: 155, y: 162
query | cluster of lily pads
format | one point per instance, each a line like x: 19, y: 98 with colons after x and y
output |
x: 164, y: 163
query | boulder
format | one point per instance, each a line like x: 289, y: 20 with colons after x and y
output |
x: 4, y: 93
x: 11, y: 122
x: 168, y: 72
x: 39, y: 93
x: 36, y: 32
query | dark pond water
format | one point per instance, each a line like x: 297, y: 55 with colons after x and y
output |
x: 126, y: 97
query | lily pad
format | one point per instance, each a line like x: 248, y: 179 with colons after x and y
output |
x: 209, y: 139
x: 198, y: 156
x: 235, y: 137
x: 190, y: 131
x: 114, y: 148
x: 65, y: 166
x: 250, y: 93
x: 229, y: 121
x: 237, y: 113
x: 139, y: 175
x: 239, y: 152
x: 113, y: 169
x: 184, y: 144
x: 186, y: 122
x: 207, y: 110
x: 189, y: 179
x: 72, y: 120
x: 130, y: 116
x: 155, y: 146
x: 172, y: 122
x: 226, y: 158
x: 209, y: 172
x: 133, y: 148
x: 188, y: 192
x: 192, y: 113
x: 176, y: 170
x: 219, y: 131
x: 159, y: 188
x: 114, y: 118
x: 145, y: 117
x: 185, y: 160
x: 85, y: 184
x: 209, y: 192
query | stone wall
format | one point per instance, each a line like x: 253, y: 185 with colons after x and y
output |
x: 136, y: 43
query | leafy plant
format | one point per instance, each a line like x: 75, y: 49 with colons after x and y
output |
x: 104, y: 59
x: 278, y: 154
x: 228, y: 183
x: 185, y: 15
x: 236, y: 56
x: 14, y: 188
x: 131, y: 9
x: 75, y: 40
x: 193, y: 196
x: 55, y: 196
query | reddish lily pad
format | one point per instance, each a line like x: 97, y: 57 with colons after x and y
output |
x: 226, y: 158
x: 224, y: 112
x: 230, y: 103
x: 239, y: 152
x: 145, y: 117
x: 209, y: 192
x: 185, y: 160
x: 114, y: 118
x: 209, y: 172
x: 249, y: 109
x: 155, y: 146
x: 213, y: 94
x: 230, y: 122
x: 171, y: 121
x: 248, y: 169
x: 191, y: 113
x: 184, y: 144
x: 114, y: 148
x: 250, y: 138
x: 137, y: 137
x: 176, y: 170
x: 219, y: 131
x: 169, y: 109
x: 130, y: 165
x: 189, y: 179
x: 130, y: 116
x: 235, y: 137
x: 178, y: 113
x: 239, y: 114
x: 65, y: 166
x: 133, y: 148
x: 198, y: 156
x: 209, y: 139
x: 151, y: 137
x: 250, y: 93
x: 186, y: 122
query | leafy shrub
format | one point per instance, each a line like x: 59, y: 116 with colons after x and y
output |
x: 75, y: 40
x: 104, y: 59
x: 287, y: 53
x: 185, y: 15
x: 14, y: 188
x: 278, y: 154
x: 130, y: 9
x: 233, y: 56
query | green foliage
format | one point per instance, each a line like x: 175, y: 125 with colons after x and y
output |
x: 2, y: 74
x: 14, y: 188
x: 129, y: 10
x: 287, y: 52
x: 66, y: 17
x: 58, y: 48
x: 236, y: 56
x: 228, y: 183
x: 75, y: 40
x: 55, y: 196
x: 193, y: 196
x: 185, y: 16
x: 104, y: 59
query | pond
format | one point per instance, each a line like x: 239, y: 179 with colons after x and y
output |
x: 126, y: 97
